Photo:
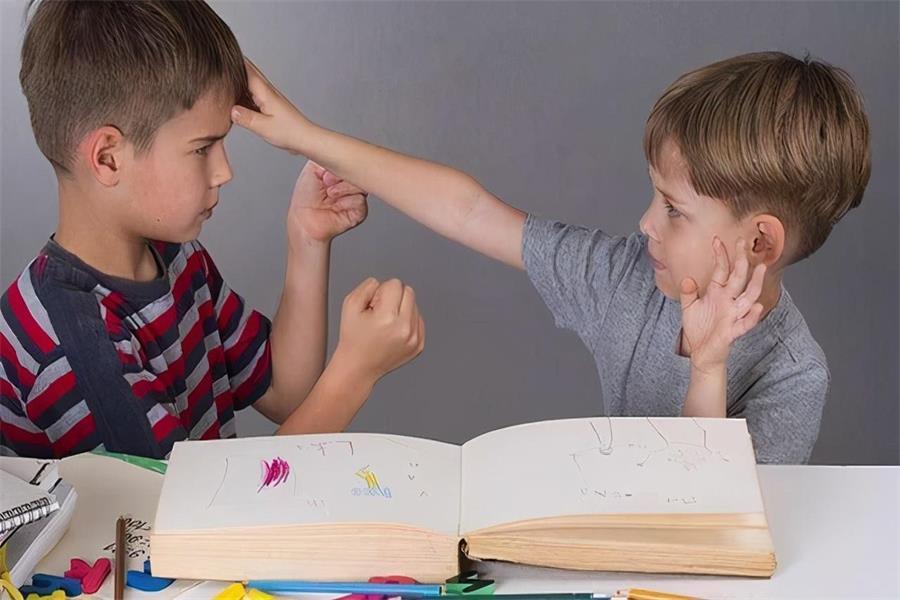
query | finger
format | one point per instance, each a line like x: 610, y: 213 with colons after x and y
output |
x: 342, y: 188
x: 317, y: 169
x: 312, y: 167
x: 251, y: 120
x: 689, y: 292
x: 361, y: 297
x: 749, y: 321
x: 421, y: 334
x: 331, y: 179
x: 408, y: 309
x: 721, y: 270
x: 349, y: 202
x: 754, y: 288
x: 259, y: 86
x: 251, y: 67
x: 737, y: 279
x: 255, y: 72
x: 388, y: 297
x: 262, y: 91
x: 417, y: 336
x: 352, y: 212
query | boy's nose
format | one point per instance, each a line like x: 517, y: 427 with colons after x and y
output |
x: 644, y: 224
x: 222, y: 173
x: 222, y: 177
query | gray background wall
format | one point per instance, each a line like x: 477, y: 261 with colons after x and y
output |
x: 545, y: 104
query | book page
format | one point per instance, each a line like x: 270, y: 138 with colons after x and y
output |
x: 108, y: 488
x: 42, y: 472
x: 323, y: 478
x: 608, y: 465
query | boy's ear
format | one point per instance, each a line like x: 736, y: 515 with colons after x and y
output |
x: 104, y: 153
x: 767, y: 240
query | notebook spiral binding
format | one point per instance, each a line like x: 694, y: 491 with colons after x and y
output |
x: 20, y: 515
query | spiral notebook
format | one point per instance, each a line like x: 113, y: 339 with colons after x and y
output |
x: 21, y: 502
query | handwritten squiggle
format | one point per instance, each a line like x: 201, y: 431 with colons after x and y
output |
x: 274, y: 473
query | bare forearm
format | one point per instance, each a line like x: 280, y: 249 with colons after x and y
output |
x: 706, y: 395
x: 333, y: 402
x: 443, y: 199
x: 300, y: 328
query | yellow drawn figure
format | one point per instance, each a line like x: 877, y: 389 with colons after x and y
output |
x: 369, y: 477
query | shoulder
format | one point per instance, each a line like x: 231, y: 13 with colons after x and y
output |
x: 25, y: 321
x: 563, y: 243
x: 799, y: 347
x: 785, y: 361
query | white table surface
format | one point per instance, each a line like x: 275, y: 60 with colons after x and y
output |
x: 836, y: 533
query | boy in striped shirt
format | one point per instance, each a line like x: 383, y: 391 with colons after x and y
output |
x: 121, y: 333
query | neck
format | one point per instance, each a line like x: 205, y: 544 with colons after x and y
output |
x: 94, y: 236
x: 771, y: 293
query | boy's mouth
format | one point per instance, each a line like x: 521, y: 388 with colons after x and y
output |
x: 209, y: 211
x: 656, y: 264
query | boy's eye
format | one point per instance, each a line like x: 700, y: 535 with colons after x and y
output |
x: 671, y: 210
x: 202, y: 151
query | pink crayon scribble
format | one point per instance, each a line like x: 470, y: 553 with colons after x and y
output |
x: 274, y: 473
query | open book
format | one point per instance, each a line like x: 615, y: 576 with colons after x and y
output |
x: 626, y: 494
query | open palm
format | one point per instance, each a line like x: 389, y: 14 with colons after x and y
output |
x: 727, y: 310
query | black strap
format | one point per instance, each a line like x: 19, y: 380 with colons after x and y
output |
x: 121, y: 422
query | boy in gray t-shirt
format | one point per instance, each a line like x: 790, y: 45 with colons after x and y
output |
x: 752, y: 159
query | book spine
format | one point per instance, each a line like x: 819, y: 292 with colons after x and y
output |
x: 21, y: 515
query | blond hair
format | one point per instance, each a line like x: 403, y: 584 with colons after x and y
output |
x: 767, y: 132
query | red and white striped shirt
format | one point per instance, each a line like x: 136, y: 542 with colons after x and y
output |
x: 88, y: 360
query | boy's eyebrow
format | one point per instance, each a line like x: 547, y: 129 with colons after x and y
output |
x: 664, y: 192
x: 669, y: 196
x: 210, y: 138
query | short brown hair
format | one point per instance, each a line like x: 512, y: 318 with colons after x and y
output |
x: 770, y: 132
x: 130, y: 64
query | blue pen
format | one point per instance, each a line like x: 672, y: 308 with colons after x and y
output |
x: 337, y: 587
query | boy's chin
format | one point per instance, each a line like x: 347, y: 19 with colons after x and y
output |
x: 174, y: 237
x: 667, y: 289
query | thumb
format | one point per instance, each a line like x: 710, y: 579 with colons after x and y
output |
x: 359, y: 299
x: 313, y: 167
x: 318, y: 169
x: 247, y: 118
x: 689, y: 293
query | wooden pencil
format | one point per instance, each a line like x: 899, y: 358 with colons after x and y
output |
x: 121, y: 551
x: 639, y: 594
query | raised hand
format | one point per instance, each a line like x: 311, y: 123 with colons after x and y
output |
x: 727, y: 310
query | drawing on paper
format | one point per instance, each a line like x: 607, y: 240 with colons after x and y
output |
x: 373, y: 487
x: 338, y: 453
x: 331, y: 469
x: 251, y: 479
x: 336, y: 448
x: 687, y: 449
x: 274, y: 473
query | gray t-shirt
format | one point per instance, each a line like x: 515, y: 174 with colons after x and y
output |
x: 602, y: 288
